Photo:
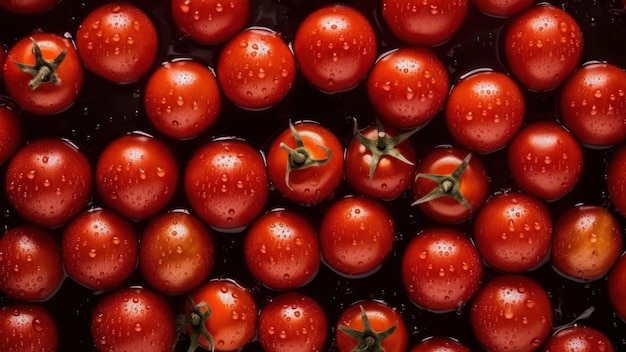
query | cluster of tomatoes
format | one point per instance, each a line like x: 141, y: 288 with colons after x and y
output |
x: 287, y: 175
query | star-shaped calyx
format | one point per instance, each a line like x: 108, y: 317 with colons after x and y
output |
x: 196, y: 320
x: 367, y: 339
x: 447, y: 185
x: 43, y: 71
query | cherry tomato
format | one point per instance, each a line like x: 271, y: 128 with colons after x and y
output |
x: 292, y: 322
x: 182, y: 99
x: 48, y: 181
x: 210, y: 22
x: 281, y: 250
x: 616, y: 180
x: 117, y: 41
x: 28, y: 327
x: 305, y: 162
x: 99, y: 249
x: 440, y: 344
x: 484, y: 111
x: 503, y: 8
x: 10, y: 133
x: 335, y: 47
x: 408, y: 87
x: 616, y: 285
x: 43, y: 73
x: 578, y: 338
x: 430, y: 23
x: 256, y: 69
x: 28, y: 7
x: 543, y: 46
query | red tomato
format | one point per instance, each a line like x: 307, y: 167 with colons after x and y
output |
x: 513, y: 232
x: 592, y: 104
x: 356, y: 235
x: 30, y: 263
x: 281, y: 250
x: 408, y: 87
x: 503, y: 8
x: 335, y: 47
x: 305, y: 162
x: 226, y: 183
x: 511, y: 312
x: 292, y: 322
x: 441, y: 270
x: 48, y: 181
x: 616, y: 179
x: 417, y: 22
x: 133, y: 319
x: 545, y: 160
x: 137, y: 175
x: 182, y: 99
x: 43, y: 73
x: 371, y: 326
x: 10, y: 133
x: 450, y: 185
x: 99, y: 249
x: 543, y: 46
x: 484, y: 111
x: 222, y: 314
x: 210, y: 22
x: 27, y: 7
x: 578, y: 338
x: 117, y: 41
x: 616, y: 285
x: 440, y: 344
x: 27, y: 327
x: 256, y: 69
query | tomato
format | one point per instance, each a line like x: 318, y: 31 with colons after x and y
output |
x: 578, y: 338
x: 133, y: 319
x: 210, y: 22
x: 616, y: 179
x: 371, y: 325
x: 292, y: 322
x: 221, y: 315
x: 48, y: 181
x: 451, y: 184
x: 441, y: 270
x: 28, y: 327
x: 511, y: 312
x: 335, y: 47
x: 593, y: 106
x: 182, y: 99
x: 99, y: 249
x: 28, y: 7
x: 503, y: 8
x: 428, y: 23
x: 256, y: 69
x: 440, y: 344
x: 616, y: 287
x: 10, y: 133
x: 117, y: 41
x: 305, y: 162
x: 43, y: 73
x: 543, y: 46
x: 513, y: 232
x: 408, y: 87
x: 226, y: 183
x: 380, y: 162
x: 30, y: 263
x: 484, y: 111
x: 356, y: 236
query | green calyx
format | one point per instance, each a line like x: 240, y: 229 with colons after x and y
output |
x: 447, y: 185
x: 196, y: 320
x: 43, y: 71
x: 367, y: 339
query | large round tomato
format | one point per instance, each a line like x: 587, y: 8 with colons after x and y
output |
x: 616, y: 285
x: 27, y: 7
x: 28, y: 327
x: 503, y: 8
x: 210, y: 22
x: 10, y: 133
x: 579, y: 338
x: 439, y: 344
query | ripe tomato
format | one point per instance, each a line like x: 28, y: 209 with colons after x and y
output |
x: 133, y: 319
x: 210, y: 22
x: 578, y: 338
x: 543, y: 46
x: 335, y: 47
x: 292, y: 322
x: 30, y: 263
x: 10, y: 133
x: 513, y: 232
x: 305, y: 162
x: 440, y: 344
x: 424, y: 22
x: 511, y: 312
x: 43, y: 73
x: 256, y: 69
x: 221, y: 316
x: 182, y: 99
x: 408, y: 87
x: 616, y: 285
x: 28, y: 327
x: 99, y: 249
x: 371, y: 326
x: 451, y: 184
x: 441, y: 270
x: 27, y: 7
x: 545, y: 160
x: 503, y: 8
x: 48, y: 181
x: 616, y: 179
x: 117, y: 41
x: 356, y: 235
x: 484, y: 111
x: 593, y: 106
x: 226, y: 183
x: 281, y: 250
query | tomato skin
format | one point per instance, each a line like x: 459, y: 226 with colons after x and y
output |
x: 616, y: 287
x: 182, y: 99
x: 210, y: 22
x: 335, y: 47
x: 503, y: 8
x: 28, y: 7
x: 28, y: 327
x: 578, y: 338
x: 117, y: 41
x: 408, y: 87
x: 10, y: 133
x: 440, y: 344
